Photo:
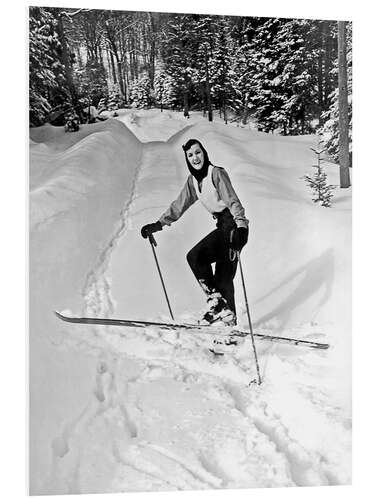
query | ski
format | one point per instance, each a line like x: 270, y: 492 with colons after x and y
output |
x: 190, y: 328
x: 141, y: 323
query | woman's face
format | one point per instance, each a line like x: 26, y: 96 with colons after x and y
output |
x: 195, y: 156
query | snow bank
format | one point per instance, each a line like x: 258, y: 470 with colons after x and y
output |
x: 75, y: 179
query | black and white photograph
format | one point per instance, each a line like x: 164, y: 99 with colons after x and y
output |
x: 189, y: 250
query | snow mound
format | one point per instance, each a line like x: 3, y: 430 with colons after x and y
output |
x: 66, y: 168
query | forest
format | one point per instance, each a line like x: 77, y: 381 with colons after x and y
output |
x: 279, y: 75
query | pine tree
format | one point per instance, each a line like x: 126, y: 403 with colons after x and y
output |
x: 284, y: 93
x: 102, y: 104
x: 322, y: 192
x: 179, y: 51
x: 66, y: 54
x: 91, y: 83
x: 46, y: 80
x: 141, y: 92
x: 205, y: 27
x: 115, y: 98
x: 222, y: 74
x: 279, y: 80
x: 159, y: 87
x: 260, y: 80
x: 253, y: 97
x: 164, y: 89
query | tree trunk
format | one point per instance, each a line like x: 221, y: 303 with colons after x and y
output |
x: 186, y: 98
x: 303, y: 121
x: 245, y: 111
x: 127, y: 82
x: 123, y: 65
x: 136, y: 49
x: 113, y: 67
x: 322, y: 33
x: 133, y: 62
x: 119, y: 73
x: 79, y: 57
x: 202, y: 96
x: 152, y: 47
x: 125, y: 76
x: 328, y: 49
x: 343, y: 108
x: 225, y: 110
x: 208, y: 87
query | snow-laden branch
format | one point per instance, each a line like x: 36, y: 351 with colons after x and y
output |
x: 69, y: 15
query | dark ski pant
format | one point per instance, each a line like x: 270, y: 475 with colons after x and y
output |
x: 214, y: 249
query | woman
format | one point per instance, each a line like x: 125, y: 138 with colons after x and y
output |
x: 212, y: 187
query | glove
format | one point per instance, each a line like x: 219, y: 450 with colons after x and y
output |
x: 240, y: 237
x: 148, y: 229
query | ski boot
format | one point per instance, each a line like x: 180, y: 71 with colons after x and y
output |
x: 218, y: 310
x: 223, y: 346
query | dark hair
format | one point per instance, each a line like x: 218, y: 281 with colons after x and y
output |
x: 201, y: 173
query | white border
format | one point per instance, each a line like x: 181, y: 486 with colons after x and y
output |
x: 13, y: 231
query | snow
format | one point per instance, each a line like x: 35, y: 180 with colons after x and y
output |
x: 128, y: 409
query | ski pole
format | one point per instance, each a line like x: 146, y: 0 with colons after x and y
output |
x: 249, y: 319
x: 153, y: 244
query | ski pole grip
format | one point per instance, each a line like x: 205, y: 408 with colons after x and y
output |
x: 152, y: 240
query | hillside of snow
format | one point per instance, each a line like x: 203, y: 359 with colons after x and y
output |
x: 128, y: 409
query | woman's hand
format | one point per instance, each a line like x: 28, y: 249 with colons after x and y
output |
x: 240, y: 237
x: 148, y: 229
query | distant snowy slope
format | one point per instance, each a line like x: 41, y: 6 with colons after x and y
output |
x: 154, y: 125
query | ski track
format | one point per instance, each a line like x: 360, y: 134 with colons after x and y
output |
x: 303, y: 467
x: 112, y: 416
x: 97, y: 288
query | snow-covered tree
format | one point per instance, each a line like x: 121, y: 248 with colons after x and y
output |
x: 141, y: 92
x: 102, y: 104
x: 278, y: 72
x: 205, y: 29
x: 248, y: 64
x: 283, y: 94
x: 222, y: 75
x: 279, y: 68
x: 91, y: 83
x: 46, y: 79
x: 115, y: 98
x: 179, y: 51
x: 164, y: 89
